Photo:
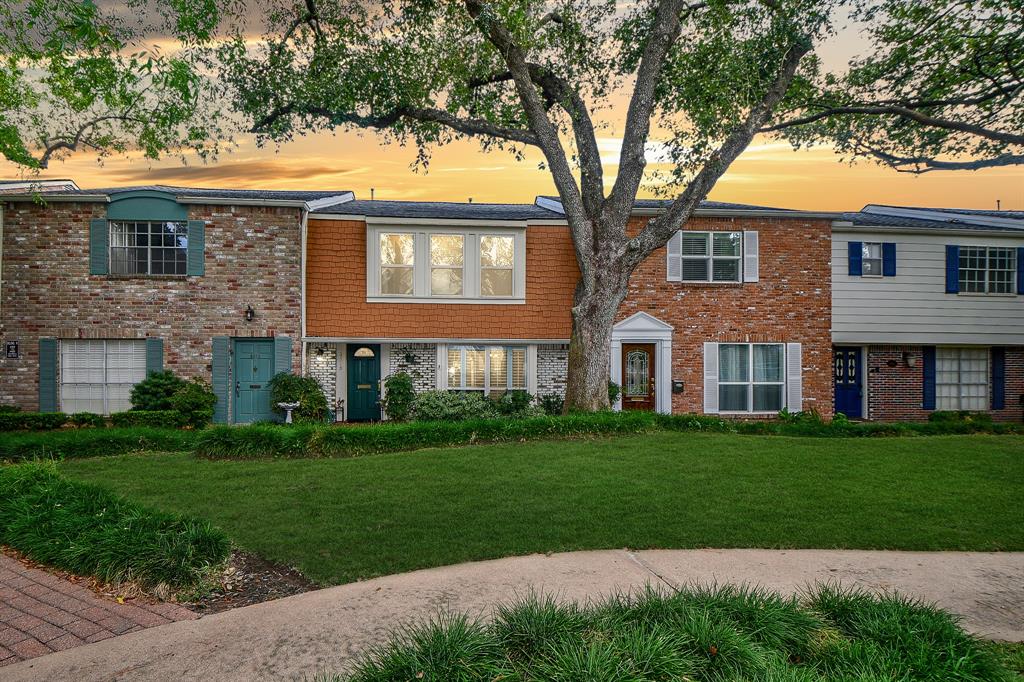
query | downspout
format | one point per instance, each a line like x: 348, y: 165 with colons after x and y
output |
x: 303, y: 222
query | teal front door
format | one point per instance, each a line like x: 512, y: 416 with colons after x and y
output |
x: 363, y: 382
x: 254, y: 366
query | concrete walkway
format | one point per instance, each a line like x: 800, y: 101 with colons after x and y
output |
x: 296, y: 637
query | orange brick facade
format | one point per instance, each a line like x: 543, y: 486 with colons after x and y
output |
x: 790, y: 304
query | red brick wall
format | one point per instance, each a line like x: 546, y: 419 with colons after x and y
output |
x: 895, y: 393
x: 252, y: 258
x: 790, y: 304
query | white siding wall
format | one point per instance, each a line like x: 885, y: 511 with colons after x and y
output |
x: 913, y: 306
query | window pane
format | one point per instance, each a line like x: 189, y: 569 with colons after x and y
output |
x: 733, y: 398
x: 499, y: 369
x: 725, y: 243
x: 695, y: 243
x: 695, y: 270
x: 474, y: 368
x: 455, y: 368
x: 733, y: 362
x: 726, y: 270
x: 871, y: 266
x: 767, y: 362
x: 396, y: 281
x: 446, y: 249
x: 518, y: 368
x: 495, y: 282
x: 446, y: 281
x: 871, y: 250
x: 397, y: 249
x: 497, y: 252
x: 767, y: 398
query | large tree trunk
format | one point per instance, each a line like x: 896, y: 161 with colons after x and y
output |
x: 593, y: 316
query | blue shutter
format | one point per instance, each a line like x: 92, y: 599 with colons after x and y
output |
x: 1020, y: 269
x: 856, y: 251
x: 888, y: 259
x: 282, y: 355
x: 221, y: 378
x: 47, y: 375
x: 928, y: 392
x: 998, y: 378
x: 196, y: 264
x: 99, y: 247
x: 154, y: 355
x: 952, y: 269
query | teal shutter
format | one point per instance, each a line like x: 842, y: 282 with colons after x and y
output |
x: 221, y: 378
x: 282, y: 355
x: 196, y: 247
x: 154, y: 355
x: 99, y: 247
x: 47, y: 375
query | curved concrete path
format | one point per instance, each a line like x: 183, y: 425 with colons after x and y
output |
x: 296, y: 637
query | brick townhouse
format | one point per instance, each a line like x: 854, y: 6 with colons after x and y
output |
x: 747, y: 310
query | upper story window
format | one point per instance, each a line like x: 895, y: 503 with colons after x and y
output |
x: 871, y: 259
x: 712, y: 256
x: 148, y: 248
x: 987, y: 270
x: 446, y: 265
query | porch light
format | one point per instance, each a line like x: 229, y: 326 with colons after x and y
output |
x: 249, y: 313
x: 910, y: 360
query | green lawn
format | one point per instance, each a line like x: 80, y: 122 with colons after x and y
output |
x: 346, y: 519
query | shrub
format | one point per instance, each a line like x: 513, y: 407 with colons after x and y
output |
x: 451, y: 406
x: 614, y: 391
x: 960, y: 416
x: 154, y: 393
x: 194, y: 402
x: 32, y: 421
x: 306, y: 391
x: 254, y: 441
x: 721, y: 633
x: 6, y: 409
x: 516, y: 404
x: 75, y: 443
x: 552, y: 404
x: 89, y: 531
x: 398, y: 396
x: 87, y: 420
x: 156, y: 418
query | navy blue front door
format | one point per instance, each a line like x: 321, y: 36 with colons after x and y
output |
x: 849, y: 377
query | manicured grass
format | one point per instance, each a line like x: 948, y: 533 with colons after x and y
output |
x: 340, y: 520
x: 706, y: 634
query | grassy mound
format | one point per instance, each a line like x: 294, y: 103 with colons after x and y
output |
x: 712, y: 634
x: 89, y: 531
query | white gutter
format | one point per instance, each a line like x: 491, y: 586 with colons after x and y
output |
x: 556, y: 206
x: 950, y: 216
x: 47, y: 197
x: 302, y: 291
x: 397, y: 220
x: 846, y: 226
x: 447, y: 339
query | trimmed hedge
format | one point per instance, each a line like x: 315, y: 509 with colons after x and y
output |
x: 32, y: 421
x: 259, y: 441
x: 74, y: 443
x: 90, y: 531
x: 157, y: 418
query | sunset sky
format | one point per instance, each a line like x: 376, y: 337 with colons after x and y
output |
x: 769, y: 173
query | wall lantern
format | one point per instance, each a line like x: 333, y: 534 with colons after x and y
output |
x: 250, y: 314
x: 910, y: 360
x: 411, y: 359
x: 319, y: 351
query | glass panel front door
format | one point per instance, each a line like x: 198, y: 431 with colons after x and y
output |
x: 638, y: 376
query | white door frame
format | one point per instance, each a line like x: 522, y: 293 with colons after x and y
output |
x: 643, y: 328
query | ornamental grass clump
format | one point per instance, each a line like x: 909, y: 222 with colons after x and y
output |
x: 707, y: 634
x: 88, y: 530
x: 92, y: 442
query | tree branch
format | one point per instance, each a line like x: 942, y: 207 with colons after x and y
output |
x: 51, y: 147
x: 923, y: 164
x: 469, y: 126
x: 902, y: 112
x: 660, y: 229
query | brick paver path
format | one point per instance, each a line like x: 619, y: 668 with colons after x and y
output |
x: 41, y: 613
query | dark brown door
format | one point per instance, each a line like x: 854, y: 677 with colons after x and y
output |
x: 638, y: 376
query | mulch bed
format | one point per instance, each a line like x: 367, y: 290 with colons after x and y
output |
x: 249, y: 579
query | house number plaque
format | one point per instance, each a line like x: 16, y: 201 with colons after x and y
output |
x: 11, y: 349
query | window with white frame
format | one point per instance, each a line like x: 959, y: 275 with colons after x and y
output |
x: 487, y: 369
x: 750, y: 377
x: 961, y: 378
x: 712, y: 256
x: 148, y: 247
x: 97, y: 375
x: 987, y: 270
x: 871, y: 259
x: 447, y: 264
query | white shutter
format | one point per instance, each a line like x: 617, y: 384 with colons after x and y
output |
x: 442, y: 366
x: 751, y: 259
x: 711, y: 378
x: 674, y: 250
x: 794, y: 378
